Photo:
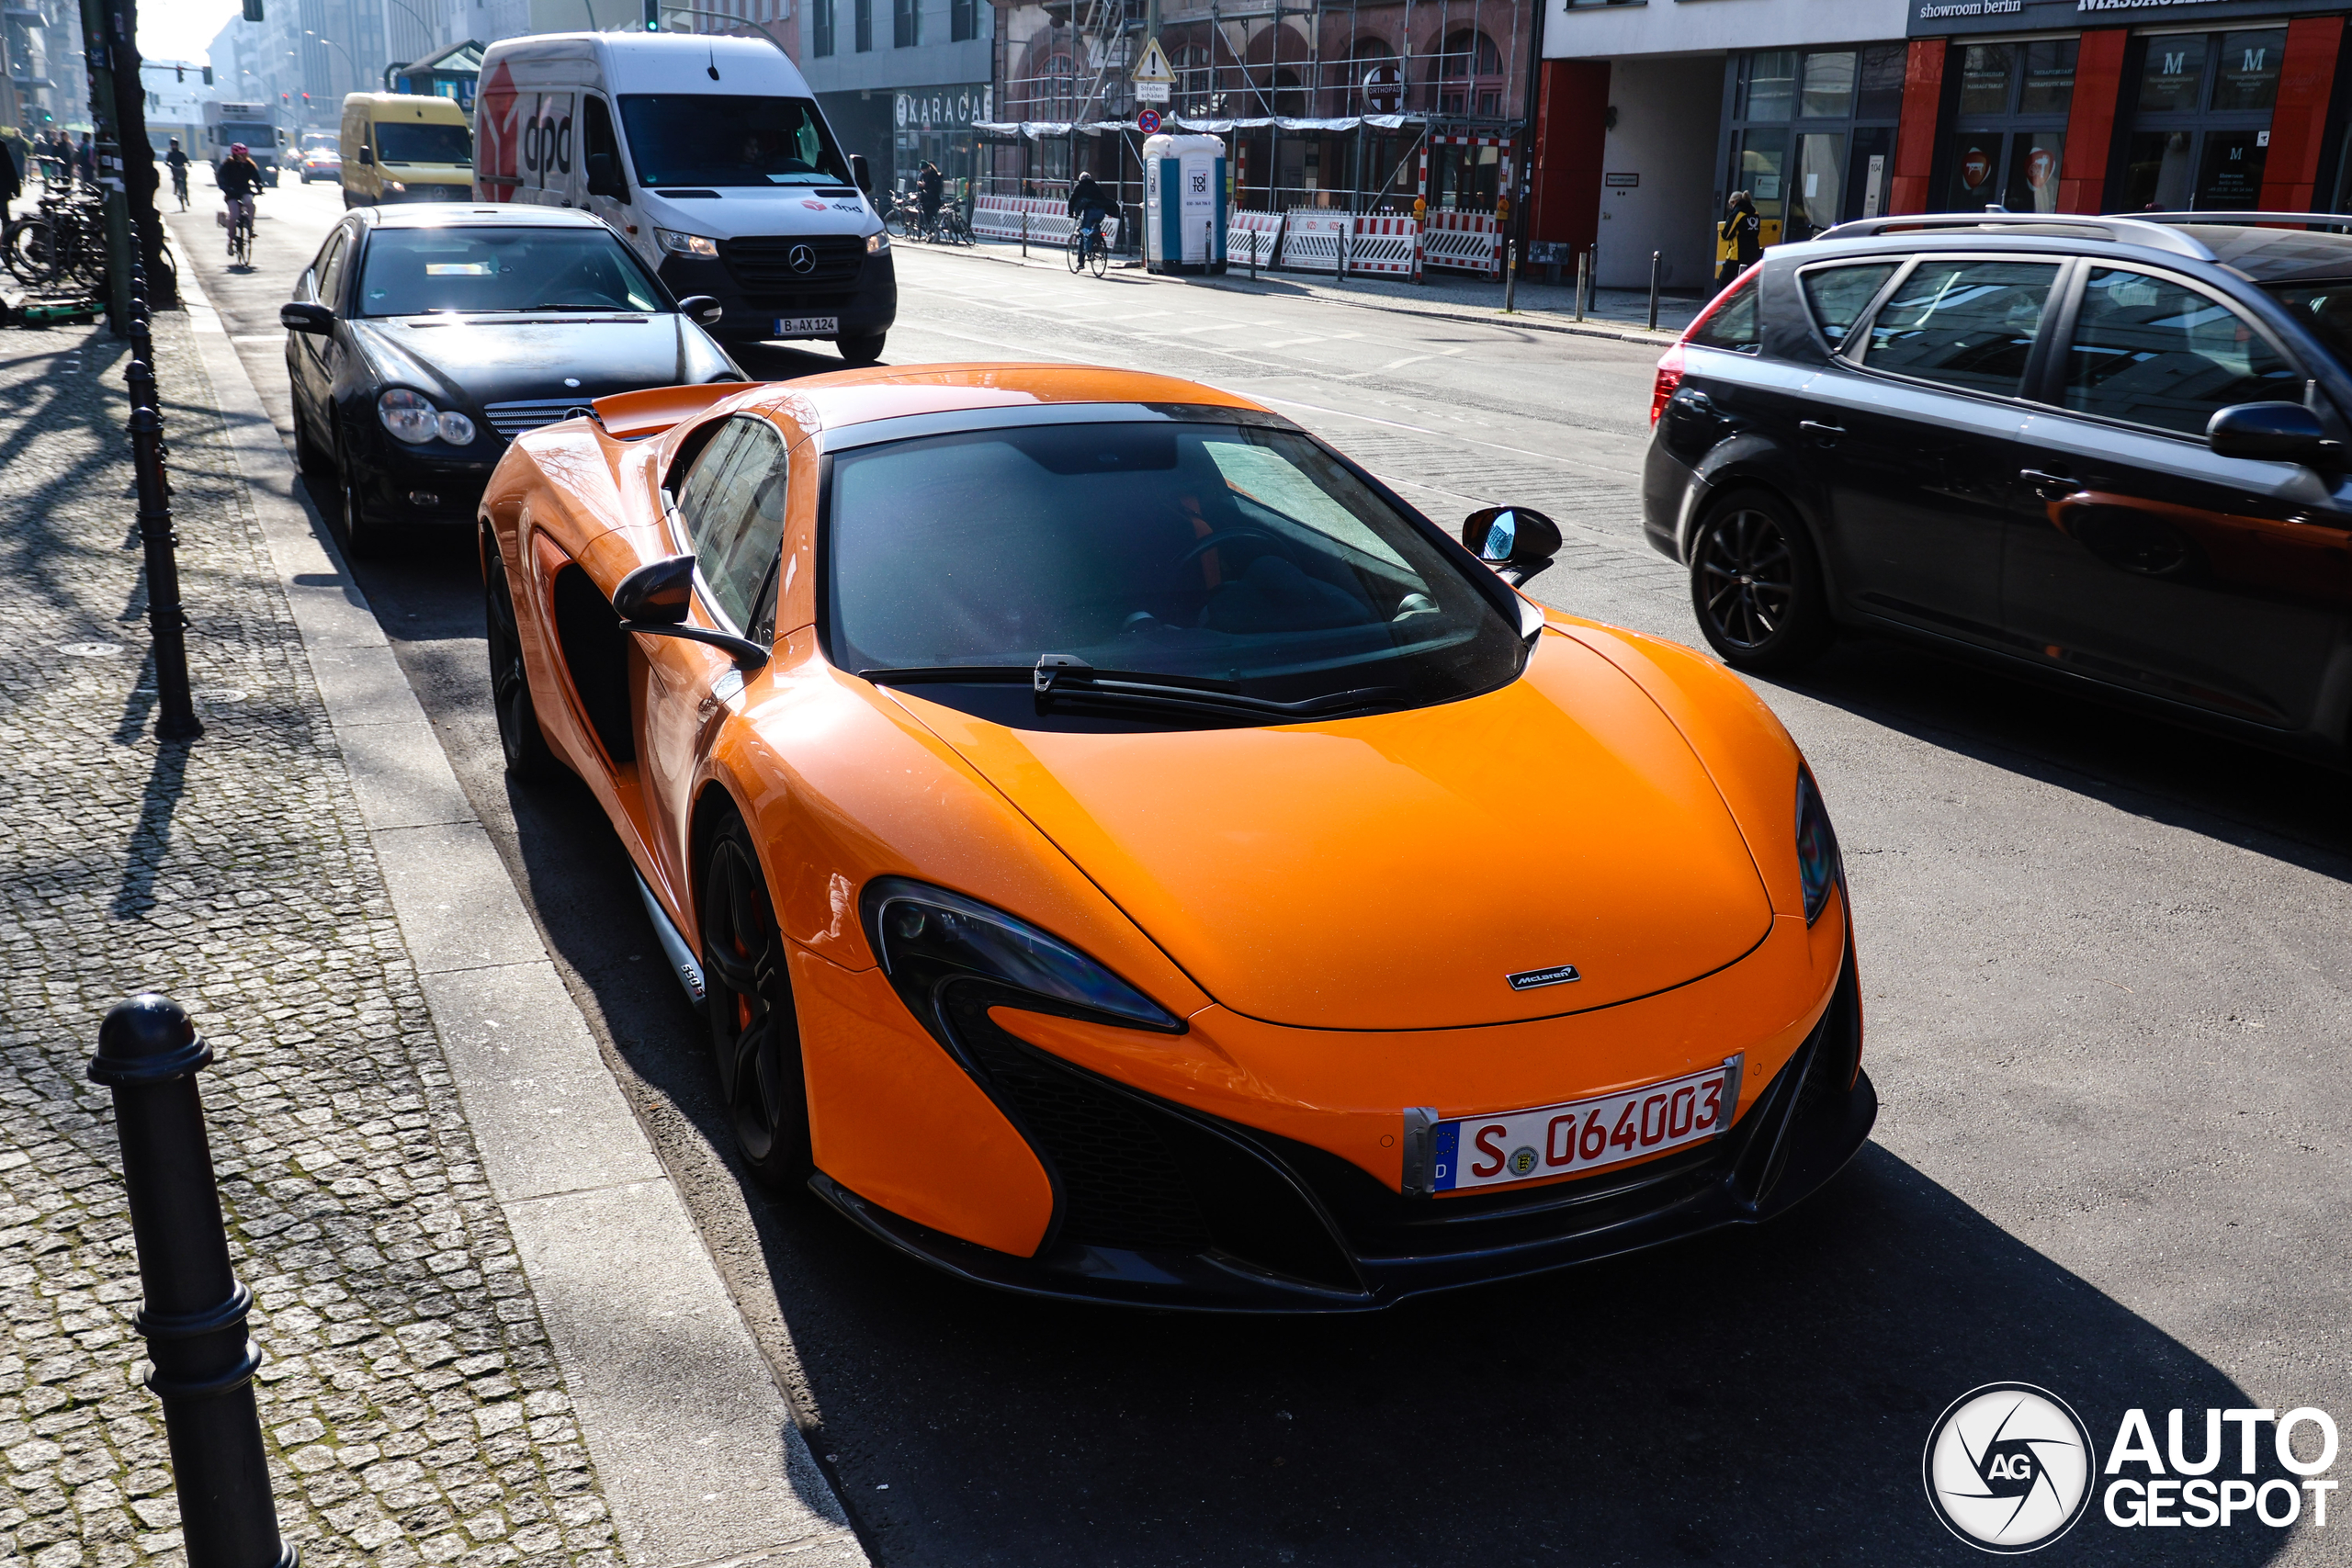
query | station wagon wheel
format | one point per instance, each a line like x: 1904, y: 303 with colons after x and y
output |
x: 1755, y: 585
x: 754, y: 1028
x: 529, y: 757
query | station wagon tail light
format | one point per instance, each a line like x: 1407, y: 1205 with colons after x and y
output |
x: 1669, y: 377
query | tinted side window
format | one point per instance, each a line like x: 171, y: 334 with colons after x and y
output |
x: 733, y: 506
x: 2156, y: 352
x: 1964, y: 324
x: 330, y: 269
x: 1838, y: 295
x: 1736, y: 323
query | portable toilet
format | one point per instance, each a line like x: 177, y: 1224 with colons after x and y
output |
x: 1184, y: 203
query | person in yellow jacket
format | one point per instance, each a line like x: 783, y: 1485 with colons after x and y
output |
x: 1740, y: 237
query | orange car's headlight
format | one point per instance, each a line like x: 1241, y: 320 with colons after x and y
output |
x: 932, y: 942
x: 1820, y: 867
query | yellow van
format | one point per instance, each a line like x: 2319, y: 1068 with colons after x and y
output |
x: 397, y: 147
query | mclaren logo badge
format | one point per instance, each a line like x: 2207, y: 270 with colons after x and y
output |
x: 1530, y: 979
x: 802, y: 258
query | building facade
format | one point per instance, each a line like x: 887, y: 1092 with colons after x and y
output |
x: 901, y: 81
x: 47, y: 78
x: 1652, y: 114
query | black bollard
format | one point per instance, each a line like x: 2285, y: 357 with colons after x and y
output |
x: 1654, y: 266
x: 194, y: 1315
x: 166, y: 622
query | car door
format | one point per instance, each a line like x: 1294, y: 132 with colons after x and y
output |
x: 316, y: 354
x: 732, y: 505
x: 1916, y: 424
x: 600, y: 155
x: 2139, y: 557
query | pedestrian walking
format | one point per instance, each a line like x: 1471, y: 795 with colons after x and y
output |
x: 85, y: 159
x: 1742, y: 233
x: 931, y: 188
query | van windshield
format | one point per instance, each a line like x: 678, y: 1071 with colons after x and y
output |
x: 419, y: 142
x: 720, y: 139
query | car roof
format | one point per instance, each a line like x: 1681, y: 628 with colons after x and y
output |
x: 2259, y: 252
x: 844, y: 398
x: 485, y: 215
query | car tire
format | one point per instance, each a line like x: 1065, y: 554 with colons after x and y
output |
x: 754, y: 1028
x: 864, y: 349
x: 309, y: 455
x: 520, y: 742
x: 1755, y: 585
x: 360, y: 539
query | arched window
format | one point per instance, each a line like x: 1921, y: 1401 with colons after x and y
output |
x: 1470, y: 75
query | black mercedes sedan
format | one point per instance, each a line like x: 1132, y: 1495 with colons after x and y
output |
x: 421, y: 340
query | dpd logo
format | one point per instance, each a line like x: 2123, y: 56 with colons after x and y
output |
x: 2009, y: 1468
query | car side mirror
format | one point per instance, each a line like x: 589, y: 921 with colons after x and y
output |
x: 860, y: 175
x: 702, y: 309
x: 605, y: 176
x: 652, y: 602
x: 657, y: 591
x: 1517, y: 541
x: 2281, y: 433
x: 367, y: 154
x: 300, y: 317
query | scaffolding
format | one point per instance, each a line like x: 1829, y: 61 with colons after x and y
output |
x: 1328, y: 104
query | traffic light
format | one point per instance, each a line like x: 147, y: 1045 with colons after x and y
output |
x: 179, y: 72
x: 652, y: 15
x: 253, y: 10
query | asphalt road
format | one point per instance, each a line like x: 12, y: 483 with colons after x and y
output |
x: 2104, y: 969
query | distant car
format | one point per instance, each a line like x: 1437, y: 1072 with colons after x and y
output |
x: 2106, y: 451
x: 321, y: 163
x: 421, y: 340
x: 1076, y: 799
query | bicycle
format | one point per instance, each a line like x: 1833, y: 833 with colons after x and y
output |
x: 179, y: 185
x: 1088, y: 249
x: 240, y: 232
x: 65, y: 241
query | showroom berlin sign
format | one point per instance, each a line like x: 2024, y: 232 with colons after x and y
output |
x: 1933, y: 17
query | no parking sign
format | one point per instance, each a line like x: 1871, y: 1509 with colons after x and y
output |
x: 1148, y: 121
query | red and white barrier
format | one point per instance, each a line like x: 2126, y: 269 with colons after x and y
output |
x: 1383, y: 244
x: 1316, y: 236
x: 1249, y: 238
x: 1463, y: 242
x: 1047, y: 218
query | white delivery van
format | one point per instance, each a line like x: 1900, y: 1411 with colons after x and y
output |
x: 710, y: 157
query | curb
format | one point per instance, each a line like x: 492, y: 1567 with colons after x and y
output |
x: 694, y: 1443
x: 1660, y: 339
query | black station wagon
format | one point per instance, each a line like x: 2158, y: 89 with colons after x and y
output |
x: 2112, y: 449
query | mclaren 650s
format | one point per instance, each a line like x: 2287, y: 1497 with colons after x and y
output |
x: 1122, y: 851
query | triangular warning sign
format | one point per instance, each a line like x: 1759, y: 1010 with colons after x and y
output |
x: 1153, y: 66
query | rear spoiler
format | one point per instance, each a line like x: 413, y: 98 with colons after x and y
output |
x: 633, y: 416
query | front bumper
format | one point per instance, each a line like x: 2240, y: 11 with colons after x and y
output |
x: 391, y: 478
x: 865, y: 304
x: 1168, y: 1207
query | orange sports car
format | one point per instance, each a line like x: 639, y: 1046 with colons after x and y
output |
x: 1125, y: 852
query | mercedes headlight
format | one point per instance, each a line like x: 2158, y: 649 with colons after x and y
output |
x: 932, y: 942
x: 456, y: 429
x: 1819, y: 865
x: 877, y: 241
x: 394, y: 185
x: 685, y: 244
x: 408, y: 415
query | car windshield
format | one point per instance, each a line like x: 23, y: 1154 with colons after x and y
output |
x: 2325, y: 308
x: 718, y: 139
x: 414, y: 272
x: 417, y: 143
x: 1212, y: 552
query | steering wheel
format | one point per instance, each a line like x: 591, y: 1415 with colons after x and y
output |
x: 1227, y: 536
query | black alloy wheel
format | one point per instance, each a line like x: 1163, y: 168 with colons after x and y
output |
x: 862, y: 349
x: 1757, y: 587
x: 529, y: 759
x: 361, y: 539
x: 754, y: 1030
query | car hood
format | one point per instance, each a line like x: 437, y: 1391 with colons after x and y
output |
x: 1394, y: 872
x: 469, y: 362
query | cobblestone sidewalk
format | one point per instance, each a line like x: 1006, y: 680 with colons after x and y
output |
x: 414, y: 1407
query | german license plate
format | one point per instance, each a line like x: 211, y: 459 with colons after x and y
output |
x: 807, y: 326
x: 1583, y: 1135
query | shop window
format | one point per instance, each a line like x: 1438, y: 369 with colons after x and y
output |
x: 2048, y: 83
x: 2200, y: 126
x: 1987, y: 72
x: 2011, y: 143
x: 1879, y: 84
x: 1829, y: 86
x: 2174, y: 76
x: 2247, y: 74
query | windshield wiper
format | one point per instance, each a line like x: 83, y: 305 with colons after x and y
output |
x: 600, y: 309
x: 1060, y: 677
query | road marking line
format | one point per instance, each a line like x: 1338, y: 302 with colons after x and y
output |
x: 1619, y: 474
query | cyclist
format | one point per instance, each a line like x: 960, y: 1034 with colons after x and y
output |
x: 178, y: 161
x: 1090, y: 206
x: 931, y: 188
x: 239, y: 178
